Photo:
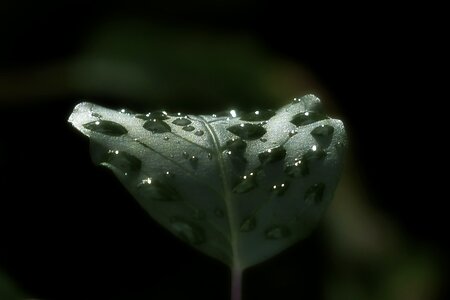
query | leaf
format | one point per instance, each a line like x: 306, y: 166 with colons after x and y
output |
x: 238, y: 188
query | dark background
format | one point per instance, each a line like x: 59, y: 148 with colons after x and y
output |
x: 69, y: 231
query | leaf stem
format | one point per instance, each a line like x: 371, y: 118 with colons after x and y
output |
x: 236, y: 283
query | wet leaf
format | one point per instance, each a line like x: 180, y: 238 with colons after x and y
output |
x: 235, y: 188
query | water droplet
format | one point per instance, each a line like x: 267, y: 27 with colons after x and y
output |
x: 277, y: 232
x: 126, y: 111
x: 166, y: 138
x: 219, y: 213
x: 106, y: 127
x: 189, y: 128
x: 123, y: 161
x: 236, y: 146
x: 280, y: 189
x: 187, y: 231
x: 314, y: 194
x: 339, y: 146
x: 157, y: 190
x: 272, y: 155
x: 210, y: 155
x: 194, y: 161
x: 313, y: 154
x: 296, y: 100
x: 301, y: 167
x: 157, y: 126
x: 185, y: 155
x: 246, y: 184
x: 259, y: 115
x: 169, y: 174
x: 142, y: 117
x: 199, y: 132
x: 158, y: 115
x: 96, y: 115
x: 307, y: 117
x: 263, y: 140
x: 323, y: 131
x: 214, y: 115
x: 247, y: 131
x: 182, y: 121
x: 248, y: 224
x: 235, y: 149
x: 292, y: 133
x: 323, y: 134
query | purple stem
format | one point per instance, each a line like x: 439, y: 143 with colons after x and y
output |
x: 236, y: 284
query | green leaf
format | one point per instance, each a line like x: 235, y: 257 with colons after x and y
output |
x: 240, y: 188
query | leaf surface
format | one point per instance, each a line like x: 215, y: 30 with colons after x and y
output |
x: 238, y: 187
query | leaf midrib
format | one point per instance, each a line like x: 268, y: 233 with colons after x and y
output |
x: 228, y: 196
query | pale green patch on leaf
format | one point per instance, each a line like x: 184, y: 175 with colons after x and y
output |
x: 238, y: 187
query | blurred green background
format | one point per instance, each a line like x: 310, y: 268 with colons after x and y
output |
x: 70, y: 231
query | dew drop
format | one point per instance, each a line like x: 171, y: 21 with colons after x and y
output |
x: 194, y: 161
x: 126, y: 111
x: 199, y: 132
x: 277, y: 232
x: 182, y: 122
x: 314, y: 194
x: 307, y: 117
x: 339, y: 146
x: 210, y: 156
x: 272, y: 155
x: 166, y: 138
x: 123, y: 161
x: 142, y: 117
x: 246, y: 184
x: 158, y: 115
x: 323, y: 134
x: 248, y: 224
x: 280, y: 189
x: 315, y: 153
x: 189, y: 128
x: 169, y: 174
x: 292, y: 133
x: 236, y: 146
x: 235, y: 149
x: 156, y: 190
x: 96, y: 115
x: 106, y: 127
x: 187, y: 231
x: 263, y: 140
x: 259, y: 115
x: 157, y: 126
x: 301, y: 167
x: 247, y: 131
x: 323, y: 131
x: 185, y: 155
